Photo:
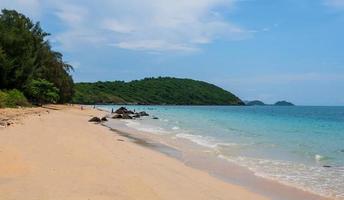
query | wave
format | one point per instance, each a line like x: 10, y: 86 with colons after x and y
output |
x: 205, y: 141
x: 323, y: 181
x: 145, y: 128
x: 320, y: 158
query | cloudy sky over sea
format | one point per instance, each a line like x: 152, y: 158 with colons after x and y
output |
x: 258, y: 49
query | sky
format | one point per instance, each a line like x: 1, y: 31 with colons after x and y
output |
x: 257, y: 49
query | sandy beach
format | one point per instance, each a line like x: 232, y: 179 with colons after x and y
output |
x: 57, y: 154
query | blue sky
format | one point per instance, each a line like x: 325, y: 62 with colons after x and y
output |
x: 258, y: 49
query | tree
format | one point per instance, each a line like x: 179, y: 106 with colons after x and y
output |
x: 42, y: 91
x: 25, y: 55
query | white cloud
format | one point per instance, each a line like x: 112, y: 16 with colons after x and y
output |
x: 72, y: 15
x: 335, y: 3
x: 153, y: 25
x: 157, y: 45
x: 116, y: 26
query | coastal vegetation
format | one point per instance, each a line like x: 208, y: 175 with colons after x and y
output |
x: 161, y: 90
x: 12, y: 98
x: 27, y: 60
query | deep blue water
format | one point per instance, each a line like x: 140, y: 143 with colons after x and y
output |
x: 288, y: 144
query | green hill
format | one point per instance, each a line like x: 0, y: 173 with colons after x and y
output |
x: 171, y: 91
x: 283, y: 103
x: 255, y: 103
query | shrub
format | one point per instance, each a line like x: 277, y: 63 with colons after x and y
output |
x: 3, y: 99
x: 42, y: 91
x: 12, y: 98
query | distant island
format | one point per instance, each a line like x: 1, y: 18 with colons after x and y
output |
x: 255, y: 103
x: 283, y: 103
x: 260, y: 103
x: 159, y: 91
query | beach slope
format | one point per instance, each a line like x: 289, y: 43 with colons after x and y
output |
x: 58, y: 154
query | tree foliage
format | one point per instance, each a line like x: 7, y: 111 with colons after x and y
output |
x: 26, y: 55
x: 42, y: 91
x: 12, y: 98
x: 154, y: 91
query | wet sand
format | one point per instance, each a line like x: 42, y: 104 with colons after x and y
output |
x: 198, y: 157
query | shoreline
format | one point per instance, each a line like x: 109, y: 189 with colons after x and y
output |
x: 219, y: 168
x: 60, y: 155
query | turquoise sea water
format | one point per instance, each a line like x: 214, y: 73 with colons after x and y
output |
x: 299, y: 146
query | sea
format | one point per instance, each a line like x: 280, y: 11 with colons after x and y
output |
x: 300, y: 146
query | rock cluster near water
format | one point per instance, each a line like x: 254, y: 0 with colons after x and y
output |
x: 121, y: 113
x: 124, y: 113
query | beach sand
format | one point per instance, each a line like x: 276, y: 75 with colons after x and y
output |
x: 57, y: 154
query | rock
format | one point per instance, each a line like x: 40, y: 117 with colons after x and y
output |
x: 143, y: 113
x: 136, y: 115
x: 95, y: 119
x: 117, y: 116
x: 3, y: 123
x: 342, y: 150
x: 103, y: 119
x: 327, y: 166
x: 121, y: 110
x: 126, y: 116
x: 155, y: 118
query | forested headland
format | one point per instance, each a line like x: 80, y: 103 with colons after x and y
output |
x: 30, y: 70
x: 162, y: 90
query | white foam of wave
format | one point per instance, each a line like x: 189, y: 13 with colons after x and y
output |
x: 175, y: 128
x: 328, y: 182
x: 144, y: 127
x: 198, y: 139
x: 319, y: 158
x: 205, y: 141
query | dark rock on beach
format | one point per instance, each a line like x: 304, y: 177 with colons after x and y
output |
x: 155, y: 118
x: 95, y: 119
x: 2, y: 124
x: 327, y: 166
x: 136, y: 115
x: 117, y: 116
x: 123, y: 110
x: 103, y: 119
x: 126, y: 116
x: 124, y: 113
x: 143, y: 113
